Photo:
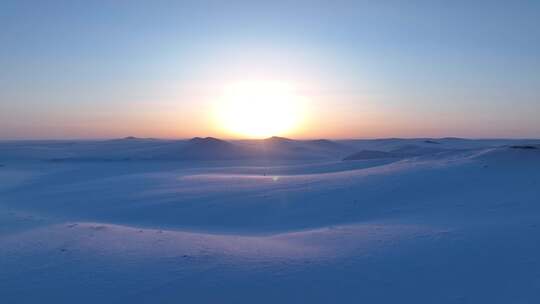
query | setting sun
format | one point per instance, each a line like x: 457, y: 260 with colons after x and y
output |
x: 259, y: 109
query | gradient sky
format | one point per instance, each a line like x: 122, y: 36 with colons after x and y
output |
x: 98, y: 69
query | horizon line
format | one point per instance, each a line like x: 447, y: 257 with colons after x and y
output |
x: 284, y: 137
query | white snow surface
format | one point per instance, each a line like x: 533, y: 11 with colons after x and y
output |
x: 274, y: 221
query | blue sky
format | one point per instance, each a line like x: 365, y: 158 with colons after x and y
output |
x: 95, y: 69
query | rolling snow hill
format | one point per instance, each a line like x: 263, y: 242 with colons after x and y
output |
x: 206, y: 220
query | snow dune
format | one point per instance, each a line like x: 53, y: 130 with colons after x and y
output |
x: 454, y: 222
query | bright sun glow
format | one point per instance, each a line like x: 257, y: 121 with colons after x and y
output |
x: 259, y: 109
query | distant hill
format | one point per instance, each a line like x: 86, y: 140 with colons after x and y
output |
x: 132, y: 148
x: 210, y: 148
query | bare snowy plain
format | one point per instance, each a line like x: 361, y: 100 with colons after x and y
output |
x: 271, y: 221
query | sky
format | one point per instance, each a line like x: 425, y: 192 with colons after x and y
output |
x: 362, y: 69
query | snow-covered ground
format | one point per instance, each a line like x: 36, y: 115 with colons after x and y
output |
x: 273, y: 221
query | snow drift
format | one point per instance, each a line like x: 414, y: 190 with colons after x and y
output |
x: 277, y: 220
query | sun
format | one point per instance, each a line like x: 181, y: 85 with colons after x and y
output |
x: 259, y: 109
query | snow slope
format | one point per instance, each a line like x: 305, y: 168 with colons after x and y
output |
x: 459, y: 225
